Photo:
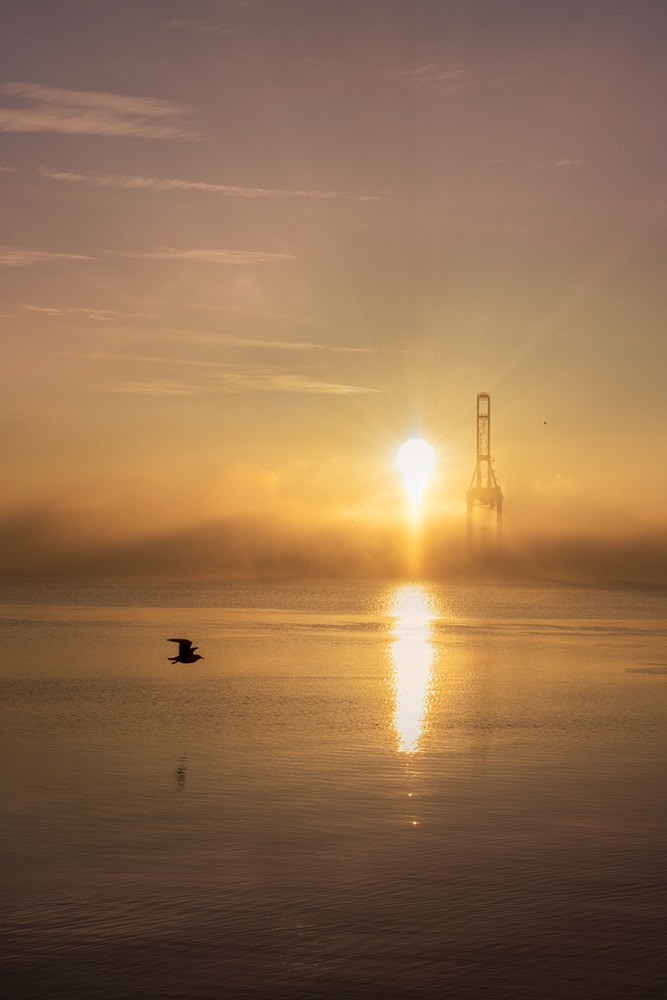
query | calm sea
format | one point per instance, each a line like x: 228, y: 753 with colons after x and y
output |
x: 364, y: 790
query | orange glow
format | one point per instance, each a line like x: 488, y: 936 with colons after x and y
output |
x: 415, y: 461
x: 210, y: 361
x: 412, y: 659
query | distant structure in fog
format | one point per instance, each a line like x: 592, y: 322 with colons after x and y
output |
x: 484, y: 495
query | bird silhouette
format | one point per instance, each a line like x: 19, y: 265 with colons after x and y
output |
x: 186, y: 652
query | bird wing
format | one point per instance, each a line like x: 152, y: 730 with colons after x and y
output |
x: 184, y: 645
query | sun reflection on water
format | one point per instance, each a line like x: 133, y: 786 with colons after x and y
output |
x: 412, y: 653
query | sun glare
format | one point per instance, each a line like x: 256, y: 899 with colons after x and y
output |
x: 415, y: 460
x: 412, y: 655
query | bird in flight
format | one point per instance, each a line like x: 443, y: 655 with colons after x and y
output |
x: 186, y: 652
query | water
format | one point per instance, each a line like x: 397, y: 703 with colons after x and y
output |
x: 365, y: 790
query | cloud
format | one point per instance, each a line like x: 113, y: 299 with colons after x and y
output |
x: 47, y: 310
x: 88, y: 112
x: 562, y: 164
x: 149, y: 388
x: 132, y: 182
x: 428, y: 75
x: 237, y: 382
x: 7, y: 170
x: 212, y: 256
x: 254, y: 343
x: 99, y: 315
x: 195, y: 336
x: 20, y: 257
x: 289, y: 382
x: 215, y: 376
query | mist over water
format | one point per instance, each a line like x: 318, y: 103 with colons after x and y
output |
x: 365, y: 789
x: 54, y: 542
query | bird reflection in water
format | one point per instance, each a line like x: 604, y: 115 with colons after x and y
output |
x: 181, y: 773
x: 412, y: 653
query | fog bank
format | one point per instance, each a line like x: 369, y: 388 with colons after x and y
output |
x: 42, y: 541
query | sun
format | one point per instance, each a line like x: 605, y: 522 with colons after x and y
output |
x: 415, y: 460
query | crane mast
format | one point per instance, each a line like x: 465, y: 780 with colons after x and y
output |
x: 484, y: 494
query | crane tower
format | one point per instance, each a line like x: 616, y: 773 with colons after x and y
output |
x: 484, y: 495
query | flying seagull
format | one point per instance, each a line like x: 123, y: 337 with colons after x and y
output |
x: 186, y: 652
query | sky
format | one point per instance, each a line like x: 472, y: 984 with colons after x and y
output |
x: 250, y: 246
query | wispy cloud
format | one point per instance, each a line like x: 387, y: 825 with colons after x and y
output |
x: 293, y: 382
x: 235, y: 383
x: 428, y: 75
x: 99, y: 315
x: 562, y: 164
x: 20, y: 257
x: 132, y: 182
x: 189, y: 336
x: 231, y: 340
x: 88, y: 112
x: 148, y: 388
x: 215, y: 376
x: 212, y: 256
x: 7, y: 170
